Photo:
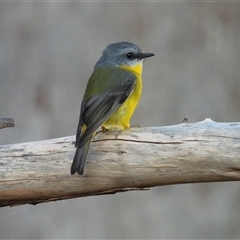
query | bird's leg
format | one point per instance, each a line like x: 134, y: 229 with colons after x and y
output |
x: 115, y: 132
x: 97, y: 132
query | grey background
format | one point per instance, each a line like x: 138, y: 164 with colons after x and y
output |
x: 47, y: 53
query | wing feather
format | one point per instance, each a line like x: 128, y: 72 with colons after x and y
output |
x: 99, y: 107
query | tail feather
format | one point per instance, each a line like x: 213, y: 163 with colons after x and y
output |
x: 80, y: 158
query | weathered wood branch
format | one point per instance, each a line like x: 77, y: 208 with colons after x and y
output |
x: 140, y: 158
x: 6, y: 122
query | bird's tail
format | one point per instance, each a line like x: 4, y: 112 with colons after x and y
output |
x: 80, y: 158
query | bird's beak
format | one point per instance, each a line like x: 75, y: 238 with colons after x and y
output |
x: 145, y: 55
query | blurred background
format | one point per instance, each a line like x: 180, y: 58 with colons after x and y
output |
x: 47, y: 54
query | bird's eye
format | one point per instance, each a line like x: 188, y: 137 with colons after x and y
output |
x: 130, y: 55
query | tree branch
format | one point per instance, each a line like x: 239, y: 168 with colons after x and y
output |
x: 6, y: 122
x: 140, y: 158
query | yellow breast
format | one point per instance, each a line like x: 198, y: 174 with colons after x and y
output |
x: 120, y: 120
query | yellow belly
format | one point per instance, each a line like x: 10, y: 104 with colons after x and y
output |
x: 120, y: 120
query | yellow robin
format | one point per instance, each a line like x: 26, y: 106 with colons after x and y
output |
x: 112, y: 94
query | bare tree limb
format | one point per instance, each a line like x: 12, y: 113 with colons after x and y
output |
x: 140, y: 158
x: 6, y: 122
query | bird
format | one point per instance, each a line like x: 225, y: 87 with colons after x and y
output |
x: 111, y: 96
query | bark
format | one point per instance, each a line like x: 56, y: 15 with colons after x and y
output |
x: 139, y: 158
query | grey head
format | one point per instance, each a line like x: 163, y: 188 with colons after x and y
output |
x: 121, y: 53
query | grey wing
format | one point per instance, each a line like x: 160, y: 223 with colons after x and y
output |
x: 100, y: 107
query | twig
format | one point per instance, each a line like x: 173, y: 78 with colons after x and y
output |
x: 6, y: 122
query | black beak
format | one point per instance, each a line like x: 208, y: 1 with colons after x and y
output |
x: 145, y: 55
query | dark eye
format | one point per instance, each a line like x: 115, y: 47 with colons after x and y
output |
x: 130, y: 55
